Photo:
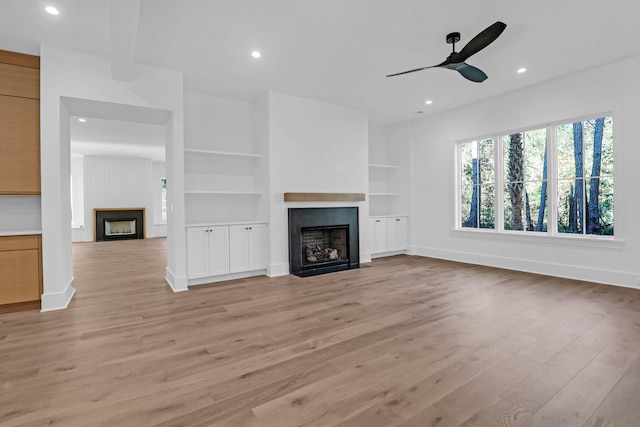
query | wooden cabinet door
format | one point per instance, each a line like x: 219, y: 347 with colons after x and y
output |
x: 20, y: 146
x: 16, y: 80
x: 19, y: 276
x: 197, y: 252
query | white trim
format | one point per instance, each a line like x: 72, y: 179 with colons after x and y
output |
x: 226, y: 277
x: 581, y: 240
x: 389, y: 253
x: 58, y: 301
x: 177, y: 284
x: 275, y: 270
x: 596, y: 275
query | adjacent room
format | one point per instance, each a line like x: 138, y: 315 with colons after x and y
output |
x: 279, y: 213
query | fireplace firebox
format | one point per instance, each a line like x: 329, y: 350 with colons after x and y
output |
x: 323, y: 240
x: 118, y: 224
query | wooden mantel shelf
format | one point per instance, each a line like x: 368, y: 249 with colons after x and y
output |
x: 324, y: 197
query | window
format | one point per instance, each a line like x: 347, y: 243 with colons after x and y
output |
x: 585, y: 177
x: 565, y: 169
x: 525, y: 180
x: 477, y: 185
x: 163, y: 198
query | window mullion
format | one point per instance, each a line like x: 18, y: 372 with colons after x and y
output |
x: 498, y: 183
x: 552, y: 181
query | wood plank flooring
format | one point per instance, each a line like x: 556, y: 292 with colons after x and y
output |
x: 406, y: 341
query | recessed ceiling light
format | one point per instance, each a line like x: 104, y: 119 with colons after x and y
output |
x: 82, y: 120
x: 428, y: 102
x: 52, y: 10
x: 521, y: 70
x: 256, y: 54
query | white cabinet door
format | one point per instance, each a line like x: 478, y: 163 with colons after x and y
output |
x: 197, y: 252
x: 397, y: 232
x: 257, y: 246
x: 380, y: 234
x: 238, y: 248
x: 218, y: 250
x: 372, y: 235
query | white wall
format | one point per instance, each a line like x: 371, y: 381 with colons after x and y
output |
x: 66, y: 73
x: 313, y: 147
x: 612, y: 88
x: 217, y: 123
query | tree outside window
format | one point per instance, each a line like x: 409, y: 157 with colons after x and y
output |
x: 525, y: 178
x: 163, y: 198
x: 477, y: 209
x: 585, y: 177
x: 579, y: 153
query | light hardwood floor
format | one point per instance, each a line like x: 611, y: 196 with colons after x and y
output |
x: 408, y: 341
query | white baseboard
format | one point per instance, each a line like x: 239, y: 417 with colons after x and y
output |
x: 390, y: 253
x: 587, y: 274
x: 226, y: 277
x: 59, y: 300
x: 275, y: 270
x: 177, y: 283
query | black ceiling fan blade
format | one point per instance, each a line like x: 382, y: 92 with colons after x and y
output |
x: 482, y: 40
x: 411, y: 71
x: 470, y: 72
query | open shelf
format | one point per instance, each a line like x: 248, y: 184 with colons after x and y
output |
x: 378, y: 166
x: 385, y: 194
x: 222, y: 153
x: 225, y: 193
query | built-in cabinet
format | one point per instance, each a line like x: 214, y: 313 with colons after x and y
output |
x: 218, y: 250
x: 247, y: 247
x: 20, y: 242
x: 388, y: 235
x: 208, y: 251
x: 20, y: 272
x: 389, y: 190
x: 19, y: 124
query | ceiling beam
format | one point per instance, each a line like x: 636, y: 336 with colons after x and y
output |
x: 123, y: 30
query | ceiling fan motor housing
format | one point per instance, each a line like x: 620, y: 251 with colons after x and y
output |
x: 453, y: 37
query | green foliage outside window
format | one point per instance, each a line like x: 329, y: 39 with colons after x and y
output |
x: 583, y: 164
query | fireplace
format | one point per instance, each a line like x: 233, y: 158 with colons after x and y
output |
x: 323, y: 240
x: 118, y: 224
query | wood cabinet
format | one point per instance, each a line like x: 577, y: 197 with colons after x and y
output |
x: 224, y: 249
x: 247, y: 247
x: 19, y: 124
x: 388, y: 234
x: 20, y: 272
x: 208, y: 251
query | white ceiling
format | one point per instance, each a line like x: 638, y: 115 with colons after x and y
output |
x: 339, y: 51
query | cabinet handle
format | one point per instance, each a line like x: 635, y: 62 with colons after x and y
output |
x: 397, y: 219
x: 377, y: 220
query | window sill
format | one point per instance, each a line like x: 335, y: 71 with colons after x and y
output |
x: 599, y: 242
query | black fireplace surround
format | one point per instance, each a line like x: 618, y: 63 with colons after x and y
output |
x: 103, y: 216
x: 323, y: 240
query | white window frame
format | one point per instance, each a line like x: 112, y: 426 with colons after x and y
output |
x: 552, y: 186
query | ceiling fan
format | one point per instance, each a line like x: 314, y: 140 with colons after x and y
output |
x: 456, y: 61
